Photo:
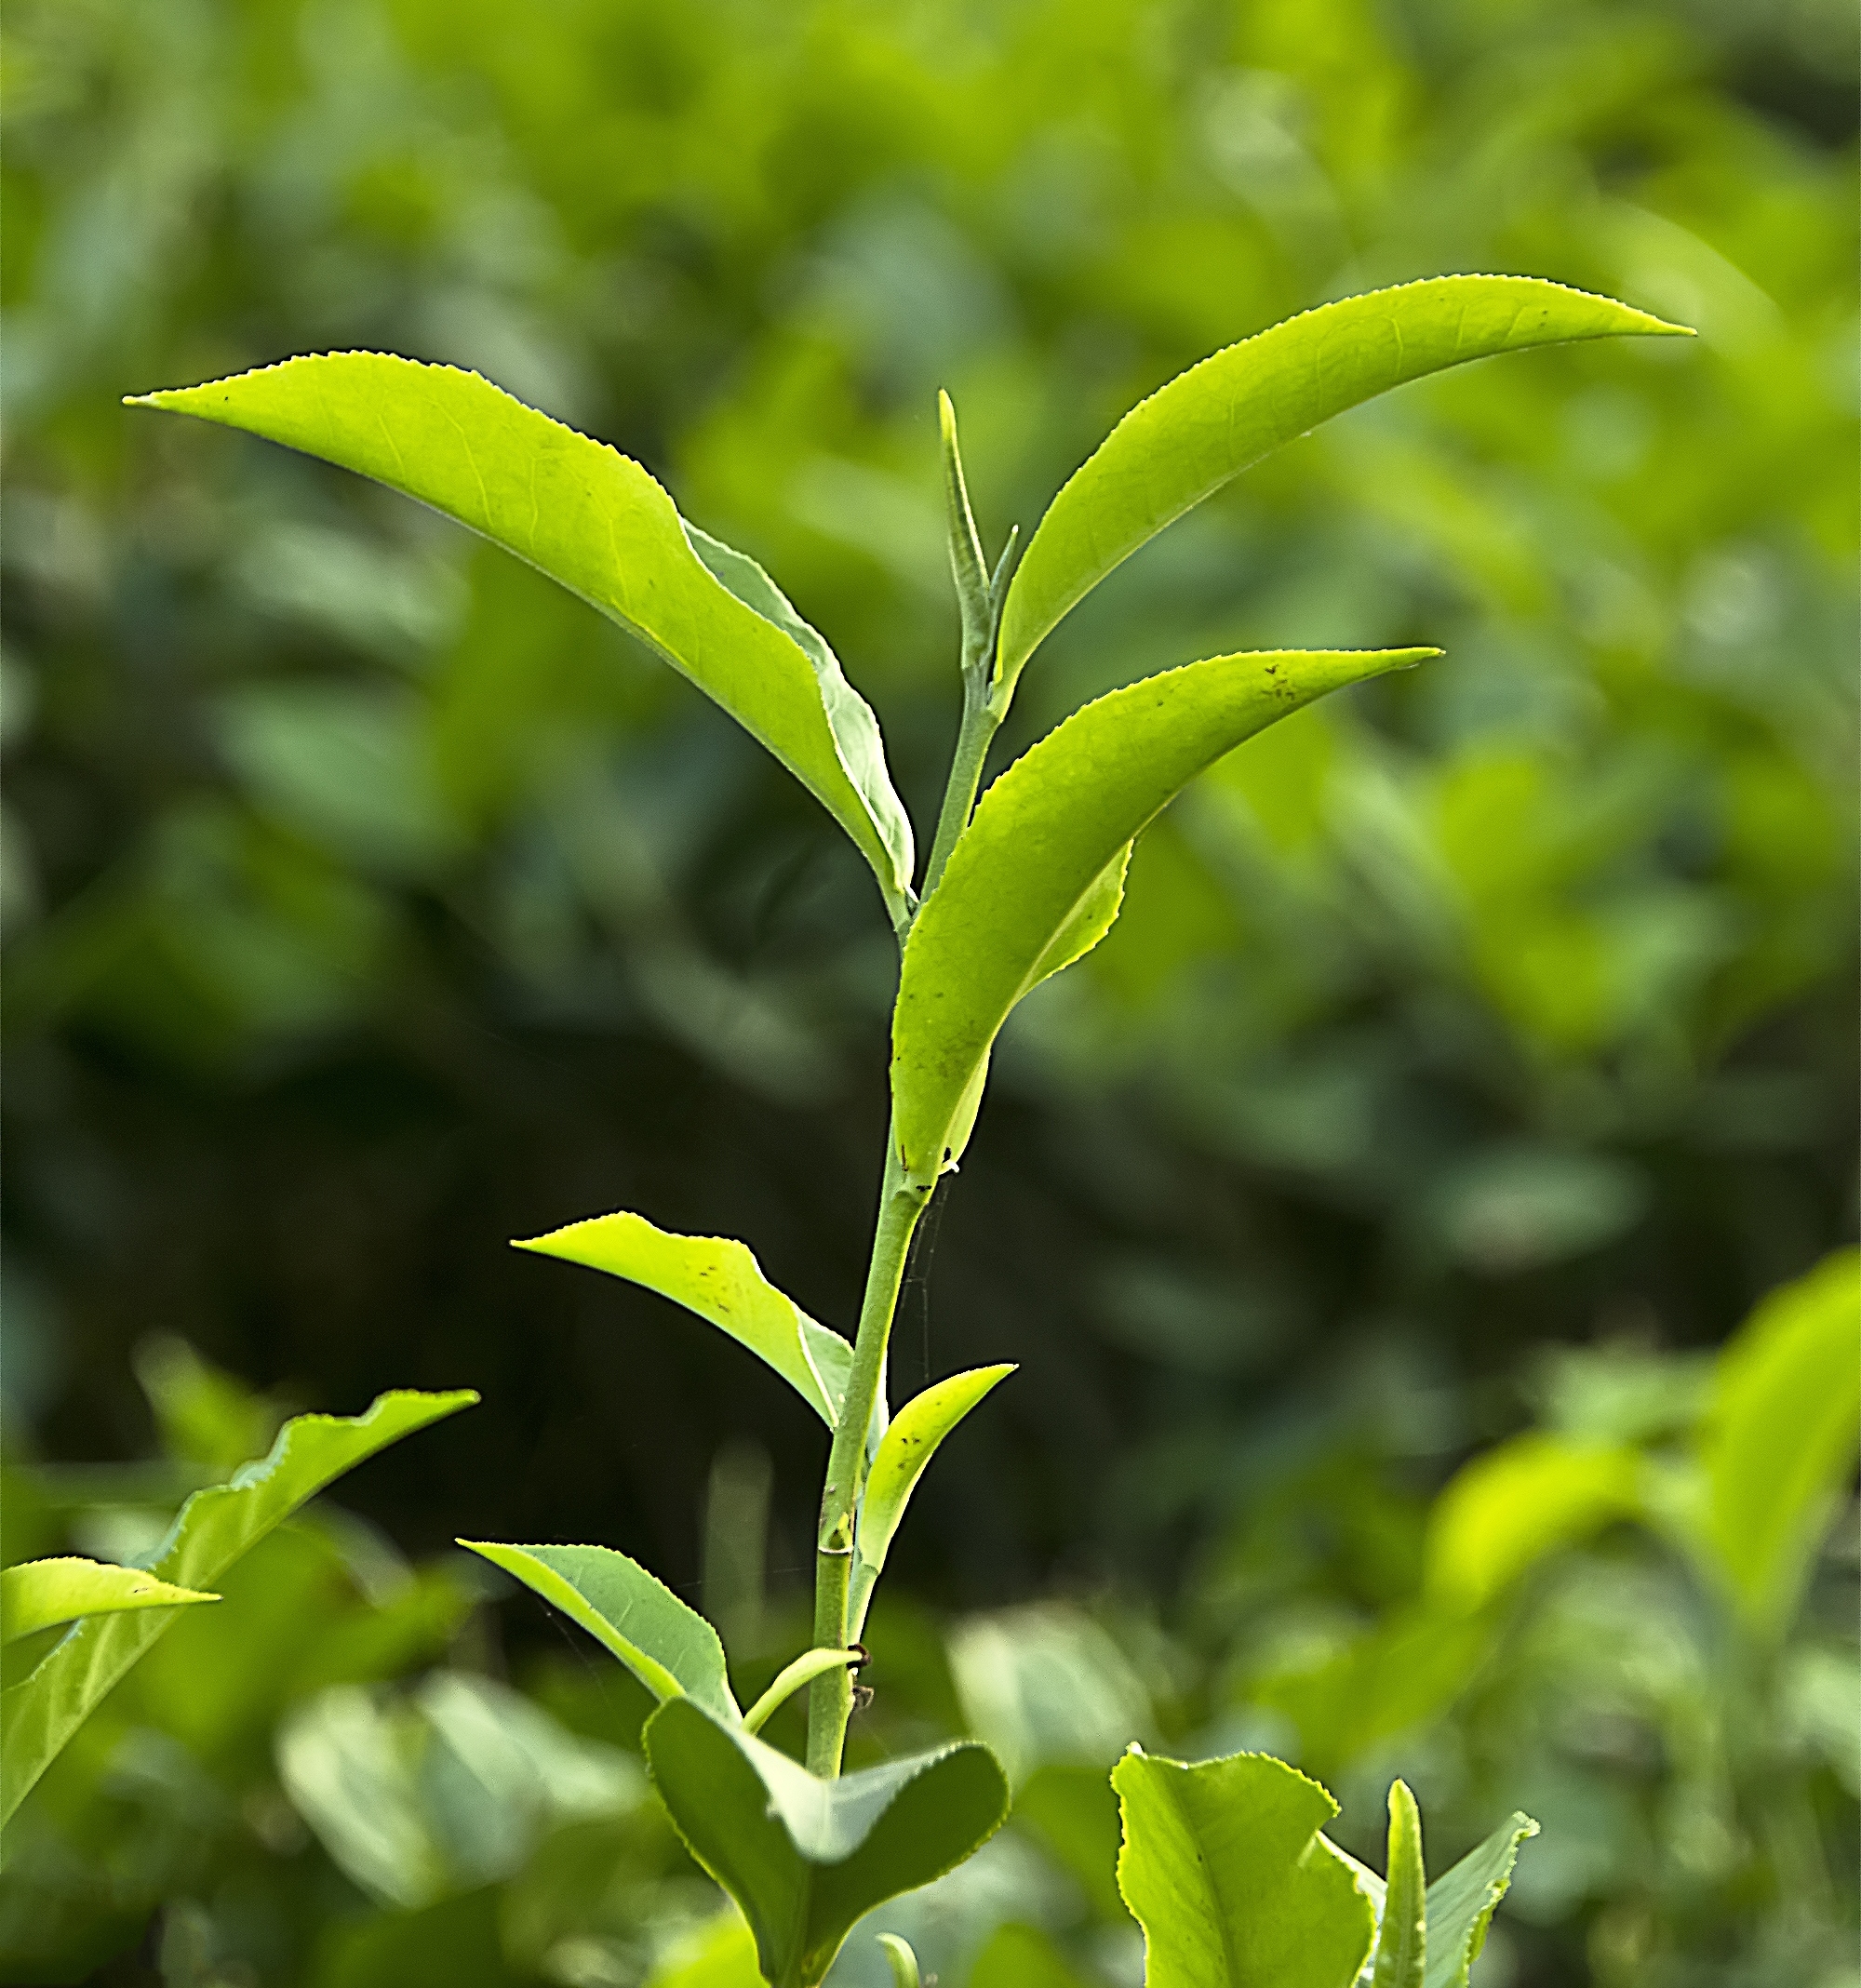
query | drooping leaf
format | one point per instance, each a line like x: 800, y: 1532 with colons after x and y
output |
x: 908, y: 1444
x: 1515, y: 1503
x: 594, y: 520
x: 672, y: 1649
x: 1461, y: 1903
x: 1403, y: 1935
x: 215, y: 1527
x: 1781, y: 1434
x: 1210, y: 424
x: 805, y: 1858
x: 722, y: 1282
x: 1226, y: 1870
x: 41, y: 1594
x: 902, y: 1961
x: 1028, y: 881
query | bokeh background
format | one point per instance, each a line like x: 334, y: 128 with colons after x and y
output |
x: 1473, y: 1052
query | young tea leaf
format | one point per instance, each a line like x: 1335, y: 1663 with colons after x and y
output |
x: 722, y: 1282
x: 672, y: 1649
x: 1224, y: 1868
x: 908, y: 1444
x: 1402, y: 1938
x: 1210, y: 424
x: 901, y: 1960
x: 1461, y: 1905
x: 41, y: 1594
x: 803, y: 1858
x: 212, y: 1529
x: 1022, y: 1956
x: 1780, y: 1438
x: 1034, y: 879
x: 594, y: 520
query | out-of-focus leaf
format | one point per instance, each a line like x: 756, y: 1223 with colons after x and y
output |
x: 722, y: 1955
x: 805, y: 1858
x: 1510, y: 1506
x: 1074, y: 1813
x: 210, y: 1531
x: 1039, y: 856
x: 722, y: 1282
x: 594, y: 520
x: 672, y: 1649
x: 1780, y: 1436
x: 908, y: 1444
x: 1225, y: 1868
x: 900, y: 1960
x: 204, y: 1414
x: 1022, y: 1956
x: 1211, y: 422
x: 1402, y: 1933
x: 41, y: 1594
x: 1461, y: 1903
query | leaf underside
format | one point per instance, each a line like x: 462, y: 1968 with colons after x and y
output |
x: 803, y: 1858
x: 1033, y: 877
x: 212, y: 1529
x: 1207, y: 424
x: 721, y: 1281
x: 1461, y: 1903
x: 597, y: 522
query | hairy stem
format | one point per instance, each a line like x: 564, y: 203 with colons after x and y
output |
x: 830, y: 1698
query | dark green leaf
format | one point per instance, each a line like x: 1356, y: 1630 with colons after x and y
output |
x: 805, y: 1858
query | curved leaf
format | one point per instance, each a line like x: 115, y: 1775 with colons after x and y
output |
x: 721, y: 1281
x: 1780, y: 1436
x: 807, y: 1667
x: 212, y: 1529
x: 803, y: 1858
x: 1224, y: 1867
x: 672, y: 1649
x: 908, y: 1444
x: 1037, y: 853
x: 594, y: 520
x: 1213, y: 421
x: 1403, y: 1935
x: 1461, y: 1905
x: 901, y: 1960
x: 41, y: 1594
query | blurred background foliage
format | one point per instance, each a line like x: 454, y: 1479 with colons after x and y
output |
x: 1472, y: 1053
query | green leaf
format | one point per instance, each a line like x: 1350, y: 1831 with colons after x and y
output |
x: 672, y: 1649
x: 1224, y: 1867
x: 1022, y: 1956
x: 1519, y: 1501
x: 1402, y: 1937
x: 1780, y: 1438
x: 594, y: 520
x: 721, y: 1955
x: 1210, y: 424
x: 908, y: 1444
x: 1461, y: 1905
x: 1030, y: 883
x: 722, y: 1282
x: 42, y: 1593
x: 805, y: 1858
x: 212, y: 1529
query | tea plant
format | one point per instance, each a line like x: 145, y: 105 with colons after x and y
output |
x: 1224, y: 1863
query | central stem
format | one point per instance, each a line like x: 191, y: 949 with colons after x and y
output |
x: 830, y: 1701
x: 974, y: 735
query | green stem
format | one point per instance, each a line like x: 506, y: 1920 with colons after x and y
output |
x: 830, y: 1700
x: 973, y: 739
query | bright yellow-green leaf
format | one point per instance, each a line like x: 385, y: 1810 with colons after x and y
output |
x: 1515, y: 1503
x: 594, y: 520
x: 1781, y: 1434
x: 672, y: 1649
x: 722, y: 1282
x: 41, y: 1594
x: 212, y: 1529
x: 1226, y: 1870
x: 908, y: 1444
x: 1033, y: 879
x: 1403, y: 1935
x: 1211, y: 422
